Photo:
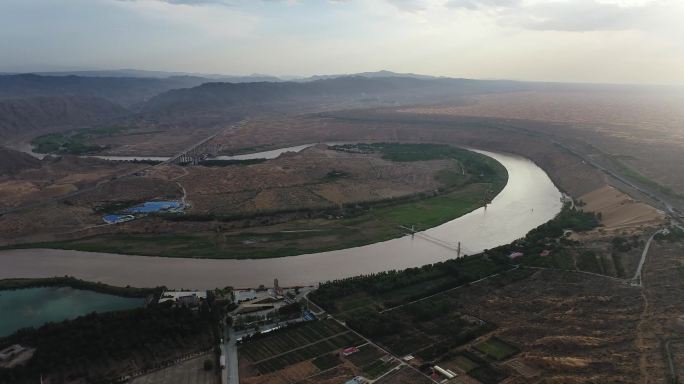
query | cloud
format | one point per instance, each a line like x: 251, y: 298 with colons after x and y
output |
x: 582, y: 15
x: 194, y: 2
x: 409, y: 5
x: 569, y: 15
x: 211, y: 2
x: 187, y: 2
x: 479, y: 4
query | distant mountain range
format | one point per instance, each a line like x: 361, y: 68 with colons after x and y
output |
x: 255, y: 77
x: 340, y: 92
x: 382, y: 73
x: 139, y: 73
x: 37, y: 115
x: 36, y: 103
x: 130, y: 87
x: 126, y: 91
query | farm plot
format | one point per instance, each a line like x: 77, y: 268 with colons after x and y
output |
x: 405, y: 375
x: 378, y: 368
x: 367, y: 354
x: 430, y: 329
x: 327, y: 361
x: 304, y: 353
x: 496, y: 349
x: 287, y: 339
x: 317, y: 340
x: 460, y: 362
x: 372, y: 362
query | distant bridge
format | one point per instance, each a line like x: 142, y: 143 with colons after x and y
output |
x: 458, y: 249
x: 202, y: 150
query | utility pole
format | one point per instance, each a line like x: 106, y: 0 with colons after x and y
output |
x: 458, y: 250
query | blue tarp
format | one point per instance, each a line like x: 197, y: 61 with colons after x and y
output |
x: 113, y: 219
x: 154, y: 206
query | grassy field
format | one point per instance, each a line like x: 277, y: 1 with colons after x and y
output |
x: 496, y: 349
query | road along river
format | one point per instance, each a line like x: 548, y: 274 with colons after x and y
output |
x: 528, y: 200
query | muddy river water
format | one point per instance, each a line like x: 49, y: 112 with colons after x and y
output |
x: 528, y: 200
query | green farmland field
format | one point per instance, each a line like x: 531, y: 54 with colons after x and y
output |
x: 496, y: 349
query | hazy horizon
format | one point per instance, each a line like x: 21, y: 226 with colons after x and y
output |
x: 587, y: 41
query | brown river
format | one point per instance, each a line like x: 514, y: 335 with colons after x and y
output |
x: 528, y: 200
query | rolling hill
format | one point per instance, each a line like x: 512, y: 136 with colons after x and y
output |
x: 36, y: 115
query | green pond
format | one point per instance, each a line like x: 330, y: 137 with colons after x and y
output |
x: 32, y: 307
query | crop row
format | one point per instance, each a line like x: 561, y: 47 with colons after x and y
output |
x: 314, y: 350
x: 289, y: 338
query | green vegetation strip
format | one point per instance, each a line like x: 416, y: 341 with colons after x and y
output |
x: 634, y: 175
x: 73, y: 142
x: 66, y: 281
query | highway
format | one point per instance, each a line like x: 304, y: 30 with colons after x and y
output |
x: 666, y: 202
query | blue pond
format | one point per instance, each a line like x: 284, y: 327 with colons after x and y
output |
x: 33, y: 307
x: 113, y: 219
x: 154, y: 206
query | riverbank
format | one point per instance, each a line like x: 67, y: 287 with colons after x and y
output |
x: 528, y: 200
x: 72, y: 282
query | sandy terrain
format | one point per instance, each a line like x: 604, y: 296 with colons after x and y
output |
x: 292, y: 374
x: 166, y: 140
x: 619, y: 211
x: 56, y: 178
x: 301, y: 180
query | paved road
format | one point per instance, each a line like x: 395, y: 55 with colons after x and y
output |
x: 636, y: 280
x: 230, y: 374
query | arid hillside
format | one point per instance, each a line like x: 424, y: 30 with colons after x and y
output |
x: 12, y: 162
x: 30, y: 117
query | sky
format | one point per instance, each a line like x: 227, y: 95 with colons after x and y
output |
x: 603, y: 41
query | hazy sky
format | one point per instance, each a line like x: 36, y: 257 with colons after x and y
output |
x: 628, y: 41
